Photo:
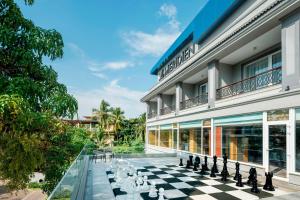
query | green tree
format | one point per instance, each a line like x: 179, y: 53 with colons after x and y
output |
x: 141, y: 127
x: 103, y: 114
x: 31, y: 99
x: 117, y: 117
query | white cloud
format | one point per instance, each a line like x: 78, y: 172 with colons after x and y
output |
x: 156, y: 43
x: 118, y: 65
x: 116, y: 95
x: 168, y: 10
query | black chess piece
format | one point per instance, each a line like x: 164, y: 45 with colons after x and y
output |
x: 202, y: 172
x: 195, y: 167
x: 197, y: 161
x: 252, y: 175
x: 224, y: 176
x: 212, y: 172
x: 188, y: 164
x: 239, y: 181
x: 269, y: 184
x: 254, y: 188
x: 215, y: 167
x: 191, y: 160
x: 225, y: 170
x: 205, y: 164
x: 237, y: 171
x: 180, y: 164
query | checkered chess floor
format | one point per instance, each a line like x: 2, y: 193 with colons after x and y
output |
x: 180, y: 183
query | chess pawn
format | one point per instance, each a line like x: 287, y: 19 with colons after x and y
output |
x: 205, y: 163
x: 239, y: 181
x: 191, y: 160
x: 215, y: 164
x: 202, y: 172
x: 180, y: 164
x: 195, y: 167
x: 161, y: 194
x: 254, y: 188
x: 197, y: 161
x: 212, y: 173
x: 145, y: 185
x: 152, y: 192
x: 188, y: 164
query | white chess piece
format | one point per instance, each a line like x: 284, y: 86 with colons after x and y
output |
x: 137, y: 194
x: 161, y: 193
x: 153, y: 191
x: 140, y: 178
x: 145, y: 185
x: 130, y: 188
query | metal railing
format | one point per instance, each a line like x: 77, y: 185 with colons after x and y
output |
x: 152, y: 114
x: 167, y: 110
x: 198, y: 100
x: 262, y: 80
x: 71, y: 185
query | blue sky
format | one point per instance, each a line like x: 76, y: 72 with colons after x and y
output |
x: 111, y: 45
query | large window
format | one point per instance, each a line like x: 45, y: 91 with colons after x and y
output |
x: 242, y: 142
x: 174, y: 138
x: 190, y: 140
x: 153, y: 137
x: 263, y: 64
x: 297, y: 145
x: 166, y: 138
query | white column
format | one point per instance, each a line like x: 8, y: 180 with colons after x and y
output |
x: 290, y: 41
x: 213, y: 82
x: 265, y: 142
x: 292, y: 141
x: 148, y: 110
x: 212, y: 138
x: 159, y: 104
x: 178, y: 98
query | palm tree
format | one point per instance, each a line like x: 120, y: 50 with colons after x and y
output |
x: 141, y: 126
x: 103, y: 114
x: 117, y: 117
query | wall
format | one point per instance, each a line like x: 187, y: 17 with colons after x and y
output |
x: 187, y: 91
x: 225, y: 74
x: 168, y: 100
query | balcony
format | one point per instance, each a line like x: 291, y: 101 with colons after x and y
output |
x: 167, y: 110
x: 202, y: 99
x: 152, y: 114
x: 259, y: 81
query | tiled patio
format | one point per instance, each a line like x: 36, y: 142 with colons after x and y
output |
x: 99, y: 187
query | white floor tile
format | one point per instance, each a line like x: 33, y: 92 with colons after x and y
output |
x: 202, y: 197
x: 211, y: 182
x: 174, y: 194
x: 181, y: 185
x: 242, y: 195
x: 208, y: 189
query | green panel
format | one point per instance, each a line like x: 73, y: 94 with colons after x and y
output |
x: 298, y: 114
x: 151, y: 127
x: 166, y: 127
x: 239, y: 119
x: 191, y: 124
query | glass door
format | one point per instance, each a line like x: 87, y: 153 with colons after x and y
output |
x: 277, y: 150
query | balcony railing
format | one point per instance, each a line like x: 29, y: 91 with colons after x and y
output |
x: 152, y: 114
x: 167, y: 110
x: 262, y: 80
x: 202, y: 99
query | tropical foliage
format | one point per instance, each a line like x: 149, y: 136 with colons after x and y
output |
x: 32, y: 102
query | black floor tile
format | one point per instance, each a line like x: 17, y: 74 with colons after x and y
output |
x: 191, y: 191
x: 223, y: 196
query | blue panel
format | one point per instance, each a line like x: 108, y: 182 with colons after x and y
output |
x: 151, y: 128
x: 207, y: 20
x: 166, y: 127
x: 191, y: 124
x: 239, y: 119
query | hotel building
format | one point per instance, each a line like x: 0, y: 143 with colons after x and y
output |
x: 230, y: 84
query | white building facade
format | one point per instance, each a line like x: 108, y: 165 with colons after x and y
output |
x: 230, y: 84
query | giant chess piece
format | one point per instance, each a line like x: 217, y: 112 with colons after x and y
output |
x: 188, y: 164
x: 202, y: 172
x: 239, y: 181
x: 252, y: 175
x: 224, y: 170
x: 212, y: 172
x: 197, y: 161
x: 224, y: 176
x: 215, y: 166
x: 180, y: 164
x: 161, y: 194
x: 191, y: 160
x: 254, y: 188
x: 195, y: 167
x: 237, y: 171
x: 153, y: 190
x: 269, y: 184
x: 205, y: 164
x: 145, y: 186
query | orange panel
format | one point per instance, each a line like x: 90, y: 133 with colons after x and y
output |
x: 219, y: 141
